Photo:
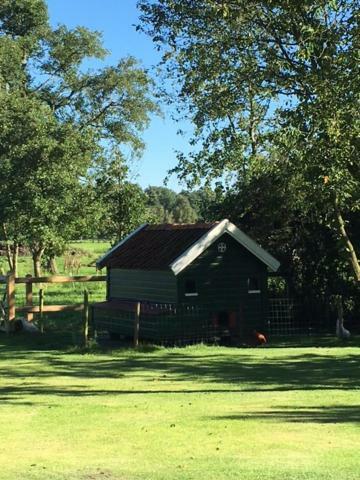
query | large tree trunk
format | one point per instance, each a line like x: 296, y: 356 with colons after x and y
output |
x: 36, y: 256
x: 349, y: 247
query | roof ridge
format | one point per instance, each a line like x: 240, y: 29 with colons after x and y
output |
x: 181, y: 226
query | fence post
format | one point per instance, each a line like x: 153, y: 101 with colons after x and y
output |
x: 10, y: 293
x: 86, y: 317
x: 29, y: 298
x: 137, y: 324
x: 41, y: 308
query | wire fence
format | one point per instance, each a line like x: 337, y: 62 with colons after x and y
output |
x: 162, y: 323
x: 283, y: 317
x: 288, y: 316
x: 183, y: 324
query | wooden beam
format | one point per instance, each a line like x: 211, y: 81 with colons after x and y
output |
x: 10, y: 293
x: 52, y: 308
x: 137, y: 324
x: 62, y: 279
x: 29, y: 298
x: 86, y: 317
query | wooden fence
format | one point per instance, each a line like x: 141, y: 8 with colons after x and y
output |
x: 29, y: 308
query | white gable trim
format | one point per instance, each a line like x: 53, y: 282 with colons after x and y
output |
x: 108, y: 253
x: 225, y: 226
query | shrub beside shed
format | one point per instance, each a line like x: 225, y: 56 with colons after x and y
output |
x: 194, y: 282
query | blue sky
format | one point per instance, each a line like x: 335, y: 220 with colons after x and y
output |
x: 116, y: 19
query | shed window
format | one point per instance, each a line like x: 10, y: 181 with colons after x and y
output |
x: 253, y: 285
x: 190, y: 288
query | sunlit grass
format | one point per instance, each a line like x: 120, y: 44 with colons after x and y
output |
x: 190, y: 413
x: 68, y: 324
x: 65, y: 293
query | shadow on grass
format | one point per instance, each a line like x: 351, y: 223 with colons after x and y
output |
x: 310, y: 414
x: 170, y: 371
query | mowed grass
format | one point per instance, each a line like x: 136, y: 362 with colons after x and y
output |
x: 182, y: 413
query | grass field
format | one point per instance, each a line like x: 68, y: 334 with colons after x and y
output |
x: 67, y: 293
x: 182, y: 413
x: 64, y: 323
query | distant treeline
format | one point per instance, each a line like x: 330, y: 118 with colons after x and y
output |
x: 152, y: 205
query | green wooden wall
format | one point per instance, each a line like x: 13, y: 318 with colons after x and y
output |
x: 222, y: 284
x: 155, y: 285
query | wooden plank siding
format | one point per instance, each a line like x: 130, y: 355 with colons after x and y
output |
x: 222, y: 283
x: 146, y: 285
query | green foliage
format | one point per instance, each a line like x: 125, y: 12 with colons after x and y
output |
x: 120, y: 204
x: 210, y: 56
x: 166, y: 206
x: 58, y: 121
x: 202, y: 201
x: 183, y: 211
x: 23, y: 18
x: 43, y: 199
x: 161, y: 201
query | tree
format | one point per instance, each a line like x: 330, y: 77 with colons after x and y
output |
x: 161, y: 202
x: 57, y: 122
x: 272, y: 86
x: 212, y: 66
x: 41, y: 205
x: 202, y: 202
x: 120, y: 204
x: 183, y: 211
x: 167, y: 206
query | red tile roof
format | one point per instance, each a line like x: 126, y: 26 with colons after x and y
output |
x: 155, y: 247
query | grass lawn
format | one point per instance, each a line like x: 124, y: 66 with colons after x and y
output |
x: 182, y: 413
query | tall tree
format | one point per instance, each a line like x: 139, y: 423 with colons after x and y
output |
x: 57, y: 120
x: 120, y: 204
x: 41, y: 163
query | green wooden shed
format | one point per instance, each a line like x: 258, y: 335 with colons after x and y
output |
x: 194, y: 281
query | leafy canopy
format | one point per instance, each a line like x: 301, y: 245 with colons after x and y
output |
x: 59, y: 120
